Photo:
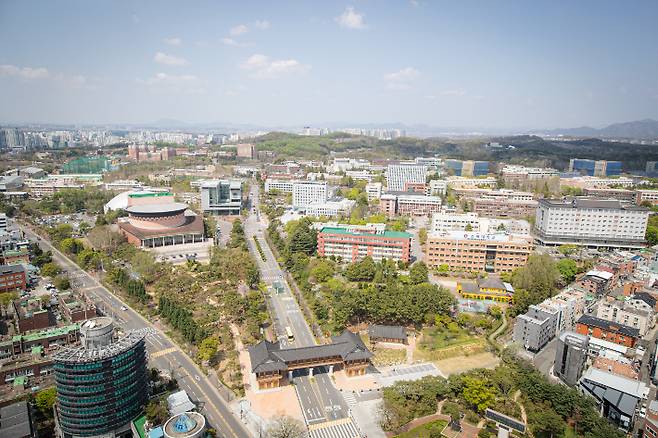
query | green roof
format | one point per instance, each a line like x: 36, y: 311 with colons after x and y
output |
x: 37, y: 349
x: 139, y: 426
x: 149, y: 195
x: 22, y: 380
x: 337, y: 230
x: 57, y: 331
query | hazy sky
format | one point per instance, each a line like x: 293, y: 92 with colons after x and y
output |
x: 503, y: 64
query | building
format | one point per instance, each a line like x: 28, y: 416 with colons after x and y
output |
x: 595, y: 282
x: 246, y: 150
x: 101, y: 385
x: 280, y: 185
x: 30, y: 314
x: 353, y: 243
x: 40, y: 188
x: 650, y: 196
x: 387, y: 333
x: 590, y: 222
x: 584, y: 182
x: 437, y: 187
x: 307, y: 192
x: 570, y: 357
x: 520, y: 175
x: 595, y: 167
x: 144, y: 152
x: 123, y: 185
x: 504, y: 208
x: 272, y: 365
x: 477, y: 252
x: 3, y: 222
x: 359, y: 175
x: 10, y: 183
x: 535, y: 328
x: 393, y: 204
x: 444, y: 222
x: 609, y: 331
x: 374, y: 190
x: 651, y: 420
x: 76, y: 306
x: 399, y: 174
x: 618, y: 397
x: 12, y: 277
x: 345, y: 164
x: 221, y: 197
x: 140, y: 196
x: 156, y: 225
x: 464, y: 182
x: 623, y: 195
x: 17, y: 421
x: 467, y: 168
x: 330, y: 208
x: 622, y: 313
x: 487, y: 289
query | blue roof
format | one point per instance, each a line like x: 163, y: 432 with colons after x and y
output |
x: 156, y: 432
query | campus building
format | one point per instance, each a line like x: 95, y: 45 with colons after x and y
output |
x: 486, y: 289
x: 477, y: 252
x: 280, y: 185
x: 468, y: 167
x: 393, y: 204
x: 221, y: 197
x: 156, y: 225
x: 308, y: 192
x: 590, y: 222
x: 519, y: 175
x: 272, y: 365
x: 399, y: 174
x: 595, y: 167
x: 650, y: 196
x: 353, y: 243
x: 101, y: 385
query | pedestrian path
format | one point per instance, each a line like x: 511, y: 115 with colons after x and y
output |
x: 350, y: 398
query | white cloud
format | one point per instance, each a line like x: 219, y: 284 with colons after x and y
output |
x: 239, y: 30
x: 351, y: 19
x: 163, y: 58
x: 454, y: 93
x: 401, y: 80
x: 414, y: 3
x: 262, y: 24
x: 164, y: 78
x: 174, y: 41
x: 262, y: 66
x: 233, y: 43
x: 24, y: 72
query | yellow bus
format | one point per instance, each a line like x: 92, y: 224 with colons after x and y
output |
x: 291, y: 337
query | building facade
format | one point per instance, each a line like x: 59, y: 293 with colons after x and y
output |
x: 221, y: 197
x: 478, y: 252
x: 399, y: 174
x: 595, y: 167
x: 590, y: 222
x: 570, y: 357
x: 609, y: 331
x: 307, y: 192
x: 353, y: 243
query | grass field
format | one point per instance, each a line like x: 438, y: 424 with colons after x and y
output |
x: 424, y: 430
x: 385, y: 356
x: 438, y: 343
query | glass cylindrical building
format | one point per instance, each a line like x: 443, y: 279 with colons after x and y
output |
x: 100, y: 390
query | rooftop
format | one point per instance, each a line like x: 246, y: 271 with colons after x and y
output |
x: 172, y: 207
x: 387, y: 332
x: 339, y: 230
x: 609, y: 326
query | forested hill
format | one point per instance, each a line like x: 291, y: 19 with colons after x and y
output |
x: 527, y: 149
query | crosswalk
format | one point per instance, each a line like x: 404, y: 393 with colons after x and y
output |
x: 343, y: 428
x: 350, y: 398
x: 162, y: 352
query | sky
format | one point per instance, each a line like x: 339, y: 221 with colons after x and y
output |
x: 496, y: 64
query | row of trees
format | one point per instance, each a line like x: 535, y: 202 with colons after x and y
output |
x: 181, y: 319
x: 133, y: 287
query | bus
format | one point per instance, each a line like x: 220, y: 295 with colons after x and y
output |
x: 291, y: 337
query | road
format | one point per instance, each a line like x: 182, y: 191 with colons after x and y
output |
x: 324, y: 408
x: 164, y: 354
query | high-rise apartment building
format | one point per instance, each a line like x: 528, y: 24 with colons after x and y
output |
x: 570, y: 357
x: 221, y: 197
x: 308, y: 192
x: 590, y: 222
x: 399, y: 174
x: 101, y: 384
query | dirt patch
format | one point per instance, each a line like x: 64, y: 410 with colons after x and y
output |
x: 460, y: 364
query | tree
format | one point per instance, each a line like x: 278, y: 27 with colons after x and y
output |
x: 361, y: 271
x: 71, y: 245
x: 545, y: 421
x: 478, y: 393
x: 156, y: 412
x: 303, y: 238
x: 62, y: 282
x: 422, y: 236
x: 208, y: 349
x: 568, y: 269
x: 534, y: 282
x: 61, y: 232
x: 322, y: 271
x: 286, y: 427
x: 45, y: 400
x: 105, y: 240
x: 418, y: 273
x: 50, y: 270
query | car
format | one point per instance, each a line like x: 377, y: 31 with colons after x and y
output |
x: 124, y: 308
x: 643, y: 412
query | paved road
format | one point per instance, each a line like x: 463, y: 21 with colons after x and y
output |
x: 321, y: 403
x: 164, y: 353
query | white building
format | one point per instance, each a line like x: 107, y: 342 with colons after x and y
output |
x: 590, y: 222
x: 464, y: 181
x: 399, y: 174
x: 331, y: 208
x: 3, y: 222
x: 123, y: 185
x: 345, y: 164
x: 307, y: 192
x: 443, y: 223
x: 280, y: 185
x: 626, y: 314
x: 438, y: 187
x: 221, y: 197
x: 374, y: 190
x: 362, y: 175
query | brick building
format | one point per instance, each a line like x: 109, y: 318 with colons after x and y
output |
x: 609, y: 331
x: 353, y: 243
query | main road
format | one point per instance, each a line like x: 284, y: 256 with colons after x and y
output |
x: 164, y: 354
x: 325, y: 411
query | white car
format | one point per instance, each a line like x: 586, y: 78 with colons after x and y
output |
x: 124, y: 308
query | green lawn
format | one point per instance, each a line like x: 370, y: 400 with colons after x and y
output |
x: 424, y: 430
x: 441, y: 343
x: 386, y: 356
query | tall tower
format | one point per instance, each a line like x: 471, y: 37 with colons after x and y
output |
x: 101, y: 384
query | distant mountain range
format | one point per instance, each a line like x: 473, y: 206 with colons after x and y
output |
x: 639, y: 129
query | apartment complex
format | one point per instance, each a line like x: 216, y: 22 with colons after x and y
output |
x: 12, y: 277
x: 408, y: 204
x: 478, y: 252
x: 590, y: 222
x: 221, y: 197
x: 626, y: 314
x: 353, y: 242
x: 308, y: 192
x: 399, y: 174
x: 595, y: 167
